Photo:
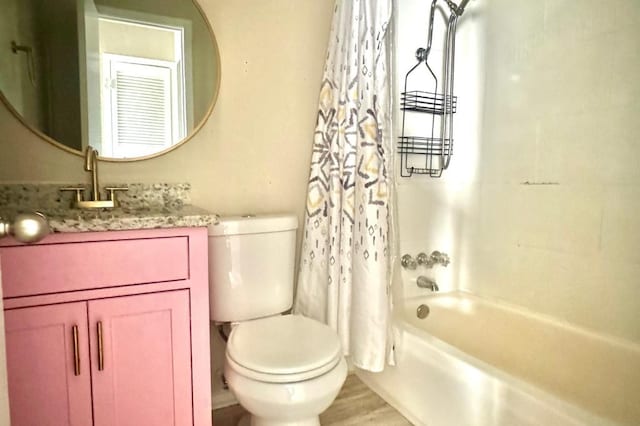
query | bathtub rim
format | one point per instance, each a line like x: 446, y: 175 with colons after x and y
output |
x: 613, y: 340
x: 563, y: 407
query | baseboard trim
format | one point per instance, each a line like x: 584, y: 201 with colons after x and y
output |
x: 223, y: 399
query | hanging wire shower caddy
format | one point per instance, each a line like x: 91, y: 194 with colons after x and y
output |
x: 429, y: 152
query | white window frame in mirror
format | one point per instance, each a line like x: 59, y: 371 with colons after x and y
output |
x: 169, y: 22
x: 165, y: 117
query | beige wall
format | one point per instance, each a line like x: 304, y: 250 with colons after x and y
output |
x: 540, y: 206
x: 253, y: 153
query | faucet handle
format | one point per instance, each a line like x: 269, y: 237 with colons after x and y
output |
x: 78, y: 189
x: 440, y: 257
x: 423, y: 259
x: 111, y: 190
x: 408, y: 262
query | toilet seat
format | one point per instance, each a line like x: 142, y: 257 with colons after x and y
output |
x: 281, y: 378
x: 281, y: 349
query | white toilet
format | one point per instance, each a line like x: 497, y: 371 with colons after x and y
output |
x: 283, y: 369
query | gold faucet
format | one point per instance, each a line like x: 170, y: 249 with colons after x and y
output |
x: 91, y: 165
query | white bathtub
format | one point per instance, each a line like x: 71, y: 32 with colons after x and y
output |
x: 473, y: 362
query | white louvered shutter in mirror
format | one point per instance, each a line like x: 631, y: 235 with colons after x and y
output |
x: 143, y: 109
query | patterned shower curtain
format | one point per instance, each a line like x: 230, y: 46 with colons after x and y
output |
x: 345, y: 267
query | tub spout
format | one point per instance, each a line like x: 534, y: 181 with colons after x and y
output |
x: 424, y: 282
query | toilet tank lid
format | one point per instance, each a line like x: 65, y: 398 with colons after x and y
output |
x: 253, y: 224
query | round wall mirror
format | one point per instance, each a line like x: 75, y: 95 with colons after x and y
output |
x: 133, y: 79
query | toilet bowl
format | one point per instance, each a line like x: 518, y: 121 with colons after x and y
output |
x: 287, y: 404
x: 283, y: 369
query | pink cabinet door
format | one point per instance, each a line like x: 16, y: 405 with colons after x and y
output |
x: 48, y: 365
x: 143, y: 376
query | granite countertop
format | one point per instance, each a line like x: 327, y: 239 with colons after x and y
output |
x: 143, y: 207
x: 80, y: 220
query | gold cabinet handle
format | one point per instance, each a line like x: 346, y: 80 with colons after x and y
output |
x: 76, y: 351
x: 100, y: 348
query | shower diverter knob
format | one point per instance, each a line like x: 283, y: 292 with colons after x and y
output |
x: 408, y: 262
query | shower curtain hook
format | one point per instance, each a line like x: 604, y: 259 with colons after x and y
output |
x: 15, y: 47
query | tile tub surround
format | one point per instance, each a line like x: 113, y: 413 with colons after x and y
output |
x: 539, y: 207
x: 143, y: 206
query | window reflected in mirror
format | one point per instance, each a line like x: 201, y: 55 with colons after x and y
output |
x: 143, y: 105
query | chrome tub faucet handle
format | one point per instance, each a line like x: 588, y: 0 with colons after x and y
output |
x: 441, y: 258
x: 423, y: 259
x: 428, y: 261
x: 408, y: 262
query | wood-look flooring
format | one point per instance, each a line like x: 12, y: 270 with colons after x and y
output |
x: 356, y: 405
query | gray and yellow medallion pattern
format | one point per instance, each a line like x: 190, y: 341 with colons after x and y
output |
x: 344, y: 266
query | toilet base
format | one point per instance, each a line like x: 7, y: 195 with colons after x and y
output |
x: 249, y: 420
x: 286, y: 404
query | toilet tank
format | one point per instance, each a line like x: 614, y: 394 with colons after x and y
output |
x: 251, y: 266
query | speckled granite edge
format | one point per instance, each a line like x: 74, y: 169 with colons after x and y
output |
x: 46, y: 196
x: 143, y: 206
x: 124, y: 219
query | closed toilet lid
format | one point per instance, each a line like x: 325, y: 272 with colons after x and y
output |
x: 283, y: 345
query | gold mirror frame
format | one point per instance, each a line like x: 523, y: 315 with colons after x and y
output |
x: 195, y: 131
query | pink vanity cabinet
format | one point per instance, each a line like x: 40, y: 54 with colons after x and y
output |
x: 108, y: 328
